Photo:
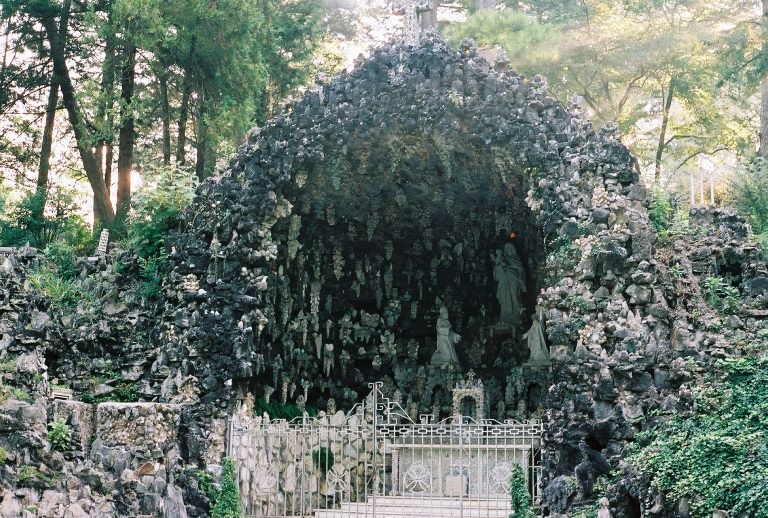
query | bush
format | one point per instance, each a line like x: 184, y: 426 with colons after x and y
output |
x: 156, y: 209
x: 38, y: 219
x: 30, y: 474
x: 716, y: 456
x: 749, y: 191
x: 60, y: 291
x: 3, y: 455
x: 59, y: 434
x: 7, y: 392
x: 228, y: 496
x: 64, y: 256
x: 660, y: 209
x: 151, y: 272
x: 721, y: 295
x: 520, y: 499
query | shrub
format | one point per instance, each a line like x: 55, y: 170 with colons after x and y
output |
x: 63, y: 255
x: 749, y: 191
x: 205, y: 484
x: 228, y: 496
x: 39, y: 218
x: 721, y: 295
x: 8, y: 366
x: 60, y: 291
x: 151, y: 272
x: 716, y: 455
x: 156, y: 208
x: 30, y: 474
x: 7, y: 392
x: 3, y: 455
x: 59, y: 434
x: 520, y: 499
x: 660, y: 210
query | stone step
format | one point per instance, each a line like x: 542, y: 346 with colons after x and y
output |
x: 406, y: 512
x: 421, y: 507
x: 430, y: 502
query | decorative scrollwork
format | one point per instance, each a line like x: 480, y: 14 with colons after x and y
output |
x: 267, y: 480
x: 417, y: 479
x: 498, y: 478
x: 337, y: 478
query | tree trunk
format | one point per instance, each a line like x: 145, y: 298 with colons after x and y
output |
x: 663, y: 132
x: 45, y: 150
x: 103, y: 213
x: 763, y: 137
x: 202, y: 138
x: 105, y: 114
x: 108, y: 159
x: 50, y: 113
x: 165, y: 113
x: 127, y: 133
x: 181, y: 142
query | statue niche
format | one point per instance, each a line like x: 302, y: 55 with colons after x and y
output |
x: 510, y: 276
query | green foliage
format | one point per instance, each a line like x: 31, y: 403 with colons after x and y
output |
x: 621, y: 58
x: 27, y: 475
x: 563, y: 254
x: 323, y: 459
x: 516, y: 32
x: 3, y: 455
x: 749, y: 191
x: 277, y: 410
x: 64, y: 256
x: 520, y: 499
x: 717, y: 455
x: 8, y: 366
x: 40, y: 217
x: 7, y: 392
x: 62, y: 293
x: 675, y: 272
x: 205, y: 483
x: 59, y: 434
x: 151, y: 272
x: 660, y: 209
x: 228, y: 496
x: 125, y: 392
x: 156, y: 209
x: 588, y: 511
x: 721, y: 295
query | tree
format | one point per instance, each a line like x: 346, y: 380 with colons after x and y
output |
x: 651, y: 66
x: 763, y: 137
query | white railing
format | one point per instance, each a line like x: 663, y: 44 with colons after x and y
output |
x: 375, y: 461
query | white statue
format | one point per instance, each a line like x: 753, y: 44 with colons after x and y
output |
x: 446, y: 339
x: 328, y: 359
x: 604, y: 511
x: 536, y: 342
x: 510, y: 275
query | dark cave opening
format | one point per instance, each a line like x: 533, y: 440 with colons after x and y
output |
x: 375, y: 247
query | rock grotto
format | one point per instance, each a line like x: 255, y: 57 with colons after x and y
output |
x: 421, y: 218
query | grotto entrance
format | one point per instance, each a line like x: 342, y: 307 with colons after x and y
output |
x: 383, y: 240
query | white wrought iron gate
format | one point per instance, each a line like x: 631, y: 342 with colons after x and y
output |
x: 376, y: 462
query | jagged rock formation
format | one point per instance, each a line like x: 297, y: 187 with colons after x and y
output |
x: 387, y: 191
x: 321, y: 258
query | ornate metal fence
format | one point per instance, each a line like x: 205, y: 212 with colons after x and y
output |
x: 376, y: 462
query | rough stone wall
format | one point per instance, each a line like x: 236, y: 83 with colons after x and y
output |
x: 582, y: 197
x: 624, y: 315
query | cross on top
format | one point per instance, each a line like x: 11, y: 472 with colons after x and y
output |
x: 410, y: 9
